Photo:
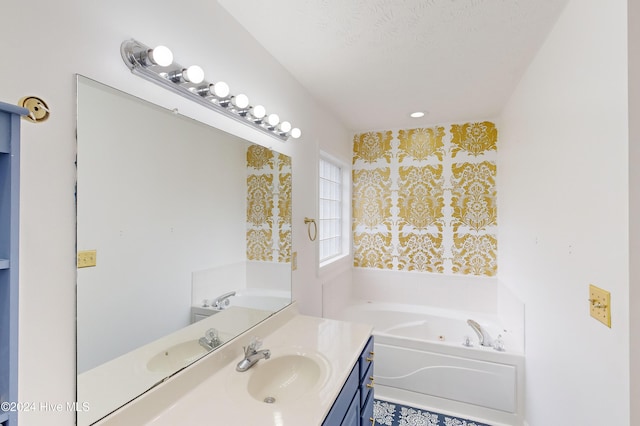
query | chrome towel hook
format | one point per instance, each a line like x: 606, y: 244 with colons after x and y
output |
x: 308, y: 222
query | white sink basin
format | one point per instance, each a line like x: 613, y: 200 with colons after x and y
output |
x: 285, y: 378
x: 176, y: 357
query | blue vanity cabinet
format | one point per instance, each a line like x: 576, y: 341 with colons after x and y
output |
x: 354, y: 405
x: 352, y: 417
x: 9, y: 199
x: 366, y: 384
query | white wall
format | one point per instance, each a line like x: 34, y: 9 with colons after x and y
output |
x: 634, y: 204
x: 563, y: 205
x: 43, y: 45
x: 456, y: 292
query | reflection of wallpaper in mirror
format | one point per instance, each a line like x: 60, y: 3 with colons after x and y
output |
x: 268, y: 205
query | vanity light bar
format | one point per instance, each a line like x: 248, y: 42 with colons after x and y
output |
x: 157, y: 65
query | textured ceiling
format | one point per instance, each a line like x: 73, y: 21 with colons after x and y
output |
x: 372, y: 62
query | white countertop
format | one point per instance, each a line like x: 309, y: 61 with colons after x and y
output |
x: 120, y: 380
x: 211, y: 391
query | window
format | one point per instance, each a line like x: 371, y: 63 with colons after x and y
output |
x: 333, y: 238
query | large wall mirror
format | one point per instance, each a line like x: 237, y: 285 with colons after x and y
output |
x: 189, y: 229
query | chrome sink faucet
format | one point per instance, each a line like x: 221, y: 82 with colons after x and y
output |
x: 211, y: 339
x: 483, y: 335
x: 222, y: 302
x: 252, y: 355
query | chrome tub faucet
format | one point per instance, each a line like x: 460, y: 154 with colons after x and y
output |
x: 484, y: 338
x: 252, y: 355
x: 222, y: 302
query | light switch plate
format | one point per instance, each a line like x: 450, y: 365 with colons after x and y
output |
x: 87, y: 258
x: 600, y: 304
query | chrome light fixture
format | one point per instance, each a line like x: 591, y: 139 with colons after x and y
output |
x: 193, y: 74
x: 157, y: 65
x: 240, y: 104
x: 257, y: 114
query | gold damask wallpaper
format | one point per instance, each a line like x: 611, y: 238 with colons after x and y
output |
x: 425, y: 199
x: 268, y: 205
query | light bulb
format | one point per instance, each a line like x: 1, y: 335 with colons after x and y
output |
x: 258, y: 111
x: 240, y: 101
x: 296, y: 133
x: 220, y: 89
x: 193, y: 74
x: 285, y: 126
x: 161, y: 55
x: 273, y: 119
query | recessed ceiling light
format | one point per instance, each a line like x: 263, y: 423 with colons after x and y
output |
x: 417, y: 114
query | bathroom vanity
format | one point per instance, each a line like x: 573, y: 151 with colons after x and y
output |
x: 319, y: 373
x: 354, y: 405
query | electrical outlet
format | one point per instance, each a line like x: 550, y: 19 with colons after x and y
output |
x: 600, y: 304
x: 87, y: 258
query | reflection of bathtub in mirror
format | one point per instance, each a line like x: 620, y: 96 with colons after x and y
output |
x: 257, y: 285
x: 255, y: 298
x: 143, y: 367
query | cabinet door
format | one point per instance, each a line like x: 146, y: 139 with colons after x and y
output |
x: 366, y: 358
x: 198, y: 317
x: 366, y: 385
x: 352, y: 418
x: 367, y: 411
x: 345, y: 401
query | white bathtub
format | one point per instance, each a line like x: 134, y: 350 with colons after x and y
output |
x: 420, y: 358
x: 255, y: 298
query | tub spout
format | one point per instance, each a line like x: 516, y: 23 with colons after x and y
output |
x: 483, y: 336
x: 221, y: 302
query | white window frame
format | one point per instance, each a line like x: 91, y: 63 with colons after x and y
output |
x: 344, y: 225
